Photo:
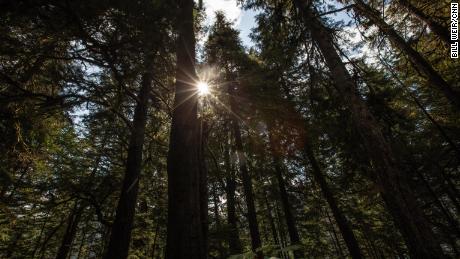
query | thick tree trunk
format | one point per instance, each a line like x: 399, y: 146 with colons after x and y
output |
x: 256, y: 242
x: 185, y: 237
x: 415, y: 57
x: 340, y: 219
x: 71, y: 230
x: 289, y: 217
x: 441, y: 31
x: 396, y: 192
x: 120, y: 235
x: 233, y: 238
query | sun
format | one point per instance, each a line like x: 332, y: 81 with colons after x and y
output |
x: 203, y: 88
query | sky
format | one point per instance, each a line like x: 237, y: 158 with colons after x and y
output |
x: 244, y: 20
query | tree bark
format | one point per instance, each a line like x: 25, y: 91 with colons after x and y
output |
x: 120, y: 235
x: 185, y: 235
x: 415, y: 57
x: 438, y: 29
x: 399, y: 197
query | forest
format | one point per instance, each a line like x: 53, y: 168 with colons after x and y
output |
x: 144, y: 129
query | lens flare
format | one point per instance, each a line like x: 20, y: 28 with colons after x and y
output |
x: 203, y: 88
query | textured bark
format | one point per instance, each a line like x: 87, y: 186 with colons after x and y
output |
x: 120, y: 235
x: 438, y: 29
x: 340, y: 219
x: 419, y: 62
x: 234, y: 242
x: 289, y: 217
x: 71, y: 230
x: 185, y: 234
x: 256, y: 242
x: 396, y: 192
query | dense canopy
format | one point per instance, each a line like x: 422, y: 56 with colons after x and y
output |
x: 137, y: 129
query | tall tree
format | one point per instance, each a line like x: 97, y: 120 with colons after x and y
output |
x: 185, y: 238
x: 415, y: 57
x: 441, y: 31
x: 256, y: 242
x: 120, y: 236
x: 275, y: 149
x: 396, y: 192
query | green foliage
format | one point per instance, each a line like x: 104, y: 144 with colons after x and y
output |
x: 69, y: 74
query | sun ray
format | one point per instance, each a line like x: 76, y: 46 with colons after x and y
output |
x: 203, y: 88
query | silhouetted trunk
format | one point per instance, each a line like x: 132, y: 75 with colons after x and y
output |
x: 336, y: 239
x: 247, y: 183
x: 71, y: 230
x: 397, y: 193
x: 438, y: 29
x: 233, y: 237
x: 203, y: 184
x: 49, y: 235
x: 37, y: 244
x: 340, y: 219
x: 281, y: 231
x: 271, y: 221
x: 155, y: 239
x: 415, y: 57
x: 120, y: 235
x: 82, y: 241
x: 185, y: 237
x: 443, y: 133
x: 454, y: 227
x: 289, y: 217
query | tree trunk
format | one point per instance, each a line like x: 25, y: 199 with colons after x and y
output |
x: 340, y: 219
x: 71, y: 230
x: 233, y: 238
x: 290, y: 220
x: 417, y: 60
x: 185, y: 237
x: 247, y: 183
x: 438, y: 29
x: 398, y: 195
x: 120, y: 235
x: 336, y: 239
x: 271, y: 221
x: 203, y: 181
x: 441, y: 130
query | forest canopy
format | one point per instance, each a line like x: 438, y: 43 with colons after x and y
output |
x: 140, y: 129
